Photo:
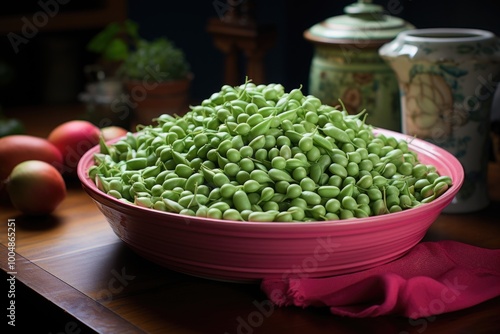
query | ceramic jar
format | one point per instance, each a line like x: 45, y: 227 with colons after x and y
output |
x: 346, y: 64
x: 447, y: 79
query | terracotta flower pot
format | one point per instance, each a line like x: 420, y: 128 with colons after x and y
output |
x: 150, y: 99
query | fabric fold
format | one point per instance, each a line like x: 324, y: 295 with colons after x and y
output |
x: 432, y: 278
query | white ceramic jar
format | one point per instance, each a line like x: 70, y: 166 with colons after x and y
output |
x: 447, y: 79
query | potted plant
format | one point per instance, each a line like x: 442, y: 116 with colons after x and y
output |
x: 157, y: 78
x: 104, y: 93
x: 113, y: 44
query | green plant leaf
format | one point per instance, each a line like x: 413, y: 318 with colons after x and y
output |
x: 117, y: 49
x: 132, y: 29
x: 100, y: 41
x: 159, y: 56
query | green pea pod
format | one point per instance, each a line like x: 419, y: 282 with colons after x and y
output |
x: 143, y: 201
x: 294, y: 163
x: 428, y: 199
x: 241, y: 201
x: 336, y: 133
x: 183, y: 170
x: 290, y: 115
x: 172, y: 206
x: 358, y: 213
x: 136, y: 163
x: 240, y: 103
x: 201, y: 211
x: 352, y: 123
x: 171, y: 183
x: 260, y: 176
x: 101, y: 183
x: 266, y: 194
x: 379, y: 207
x: 294, y: 136
x: 222, y: 206
x: 328, y: 191
x: 243, y: 129
x: 103, y: 148
x: 365, y: 182
x: 258, y: 142
x: 131, y: 140
x: 254, y: 119
x: 179, y: 158
x: 93, y: 172
x: 349, y: 203
x: 140, y: 187
x: 324, y: 161
x: 315, y: 172
x: 284, y: 217
x: 380, y: 181
x: 395, y: 154
x: 232, y: 214
x: 446, y: 179
x: 280, y: 175
x: 275, y: 132
x: 427, y: 191
x: 279, y: 198
x: 283, y: 102
x: 348, y: 190
x: 267, y: 111
x: 121, y: 146
x: 261, y: 128
x: 236, y: 110
x: 151, y: 171
x: 440, y: 188
x: 192, y: 200
x: 193, y: 181
x: 267, y: 216
x: 221, y: 161
x: 220, y: 179
x: 312, y: 198
x: 160, y: 206
x: 250, y: 186
x: 337, y: 169
x: 231, y: 127
x: 260, y: 101
x: 286, y: 152
x: 340, y: 159
x: 322, y: 142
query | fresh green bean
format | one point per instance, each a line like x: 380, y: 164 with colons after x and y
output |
x: 257, y: 153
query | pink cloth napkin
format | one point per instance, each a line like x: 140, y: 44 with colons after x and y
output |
x: 432, y: 278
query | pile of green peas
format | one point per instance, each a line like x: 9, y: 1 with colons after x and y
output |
x: 258, y: 153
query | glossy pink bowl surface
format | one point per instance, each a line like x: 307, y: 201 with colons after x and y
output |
x: 250, y: 251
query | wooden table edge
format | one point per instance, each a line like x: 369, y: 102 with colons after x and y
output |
x: 83, y: 308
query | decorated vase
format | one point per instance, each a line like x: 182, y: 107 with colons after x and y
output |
x: 447, y: 79
x: 346, y: 69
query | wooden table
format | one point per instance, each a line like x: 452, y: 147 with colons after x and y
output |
x: 75, y: 276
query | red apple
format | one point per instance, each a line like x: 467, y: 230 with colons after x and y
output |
x: 73, y: 139
x: 35, y: 187
x: 15, y: 149
x: 112, y: 132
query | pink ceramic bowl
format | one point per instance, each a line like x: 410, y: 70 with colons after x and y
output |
x: 250, y: 251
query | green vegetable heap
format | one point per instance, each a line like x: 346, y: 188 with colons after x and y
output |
x: 256, y: 153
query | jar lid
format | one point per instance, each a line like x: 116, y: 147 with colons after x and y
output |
x: 364, y: 23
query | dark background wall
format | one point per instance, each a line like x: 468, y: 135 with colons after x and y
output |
x: 288, y: 62
x: 49, y: 68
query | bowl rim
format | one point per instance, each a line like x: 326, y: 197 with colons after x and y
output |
x: 436, y: 205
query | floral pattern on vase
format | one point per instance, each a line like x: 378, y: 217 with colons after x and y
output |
x: 361, y: 83
x: 428, y: 102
